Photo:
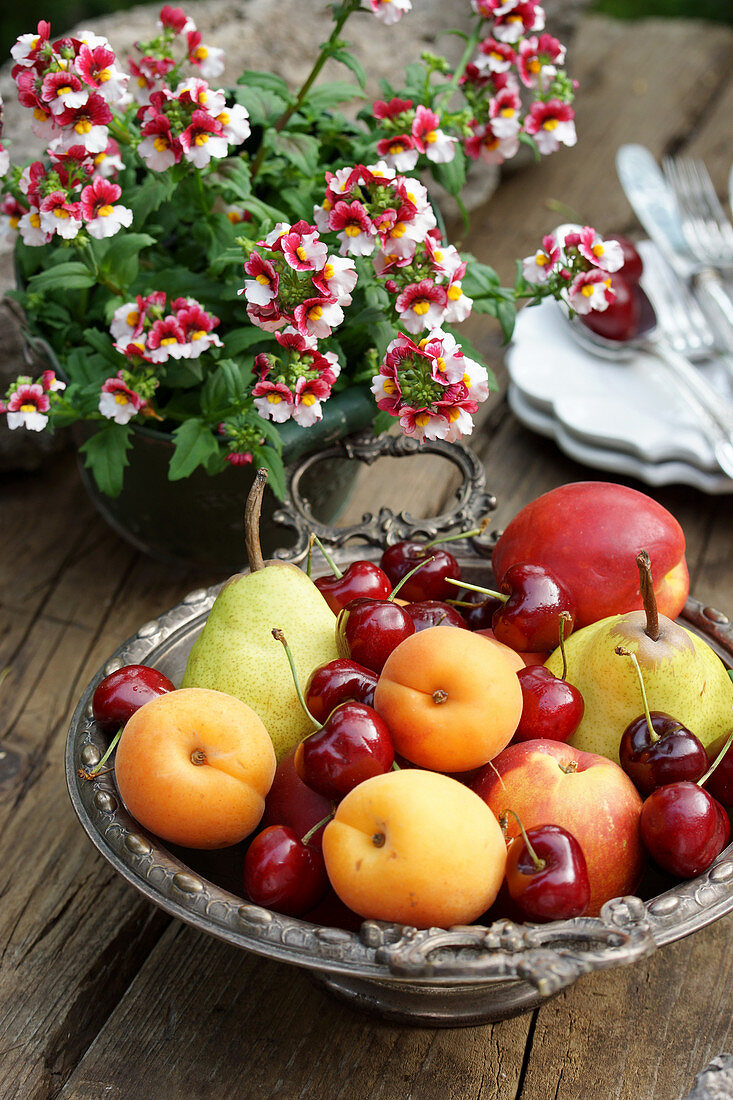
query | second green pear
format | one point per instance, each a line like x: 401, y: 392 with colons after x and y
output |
x: 683, y: 677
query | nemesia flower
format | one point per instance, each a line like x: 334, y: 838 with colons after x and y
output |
x: 63, y: 90
x: 303, y: 250
x: 317, y: 317
x: 390, y: 11
x: 590, y: 290
x: 354, y: 227
x: 429, y: 139
x: 608, y: 255
x: 176, y: 20
x: 337, y: 279
x: 234, y: 122
x: 400, y: 151
x: 50, y: 383
x: 32, y: 231
x: 539, y: 267
x: 109, y: 162
x: 197, y: 327
x: 263, y: 287
x: 486, y: 145
x: 294, y: 383
x: 27, y: 407
x: 208, y: 59
x: 421, y: 305
x: 504, y: 110
x: 391, y: 109
x: 118, y: 402
x: 11, y: 211
x: 551, y: 124
x: 203, y: 139
x: 511, y: 25
x: 538, y: 58
x: 458, y: 305
x: 494, y: 57
x: 28, y: 46
x: 159, y: 148
x: 166, y: 340
x: 102, y: 218
x: 85, y: 125
x: 60, y: 216
x: 96, y: 67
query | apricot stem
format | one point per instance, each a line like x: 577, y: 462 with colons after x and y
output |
x: 440, y: 696
x: 378, y: 840
x: 329, y: 560
x: 503, y: 596
x: 198, y: 757
x: 280, y: 637
x: 716, y: 761
x: 540, y: 864
x: 653, y: 735
x: 252, y: 511
x: 646, y: 587
x: 407, y: 576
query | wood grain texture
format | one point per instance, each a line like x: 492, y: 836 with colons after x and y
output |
x: 102, y: 995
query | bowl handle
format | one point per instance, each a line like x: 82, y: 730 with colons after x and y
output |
x: 472, y: 506
x: 549, y: 957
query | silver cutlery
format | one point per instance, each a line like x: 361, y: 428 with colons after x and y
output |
x: 655, y: 205
x: 707, y: 230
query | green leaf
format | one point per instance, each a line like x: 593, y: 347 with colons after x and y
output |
x: 383, y: 421
x: 238, y: 340
x: 101, y: 342
x: 452, y: 176
x: 155, y: 189
x: 194, y: 445
x: 264, y: 107
x: 71, y: 275
x: 480, y: 280
x: 271, y: 460
x: 105, y: 454
x: 236, y: 181
x: 353, y: 63
x: 507, y: 315
x: 181, y: 373
x: 121, y: 258
x: 326, y: 96
x: 301, y: 150
x: 253, y: 78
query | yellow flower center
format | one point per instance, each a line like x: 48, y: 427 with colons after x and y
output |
x: 59, y: 212
x: 133, y: 318
x: 201, y: 139
x: 274, y: 398
x: 389, y: 386
x: 104, y: 75
x: 315, y: 314
x: 398, y: 230
x: 396, y: 147
x: 301, y: 253
x: 597, y: 250
x: 199, y: 334
x: 534, y: 65
x: 431, y: 137
x: 63, y: 91
x: 169, y: 340
x: 262, y: 279
x: 100, y: 157
x: 326, y: 205
x: 587, y: 290
x: 121, y: 399
x: 14, y: 221
x: 234, y: 217
x: 83, y: 126
x: 549, y: 124
x: 329, y: 271
x: 541, y: 259
x: 466, y: 380
x: 440, y: 364
x: 142, y: 82
x: 309, y: 399
x: 160, y: 144
x: 496, y: 55
x: 422, y: 420
x: 105, y: 211
x: 27, y: 408
x: 35, y: 220
x: 507, y: 112
x: 421, y: 307
x: 39, y: 114
x: 454, y: 292
x: 352, y: 230
x: 491, y: 142
x: 201, y: 53
x: 223, y: 118
x: 453, y: 414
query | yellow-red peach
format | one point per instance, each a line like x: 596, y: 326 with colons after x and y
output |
x: 194, y: 766
x: 451, y: 699
x: 415, y: 847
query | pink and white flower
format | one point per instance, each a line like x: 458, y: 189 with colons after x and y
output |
x: 102, y: 217
x: 197, y: 327
x: 486, y: 145
x: 421, y: 305
x: 438, y: 146
x: 399, y: 151
x: 96, y: 66
x: 302, y: 248
x: 159, y: 148
x: 494, y: 56
x: 85, y: 125
x: 27, y: 407
x: 354, y: 228
x: 504, y: 110
x: 390, y: 12
x: 176, y: 20
x: 60, y: 216
x: 167, y: 340
x: 28, y: 46
x: 317, y: 317
x: 608, y: 255
x: 539, y: 267
x: 208, y: 59
x: 31, y: 230
x: 118, y: 402
x: 337, y: 279
x: 590, y: 290
x: 515, y: 23
x: 63, y: 91
x: 551, y: 124
x: 234, y: 122
x: 538, y: 58
x: 263, y: 287
x: 203, y: 140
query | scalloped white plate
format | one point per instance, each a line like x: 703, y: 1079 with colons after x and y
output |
x: 618, y: 462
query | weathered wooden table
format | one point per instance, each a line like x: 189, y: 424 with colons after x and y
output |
x: 102, y: 995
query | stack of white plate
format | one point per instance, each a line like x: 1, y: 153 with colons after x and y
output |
x: 622, y: 416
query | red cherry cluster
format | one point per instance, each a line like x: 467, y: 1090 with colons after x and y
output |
x: 683, y: 826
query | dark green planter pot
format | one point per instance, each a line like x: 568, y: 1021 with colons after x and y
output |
x: 200, y: 520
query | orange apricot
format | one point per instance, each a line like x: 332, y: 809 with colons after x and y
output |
x: 194, y: 766
x: 451, y: 699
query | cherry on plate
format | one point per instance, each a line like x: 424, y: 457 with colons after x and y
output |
x: 124, y: 691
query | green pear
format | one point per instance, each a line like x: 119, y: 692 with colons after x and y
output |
x: 236, y: 652
x: 683, y: 677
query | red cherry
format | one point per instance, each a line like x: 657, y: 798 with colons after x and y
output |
x: 289, y: 802
x: 124, y: 691
x: 426, y: 613
x: 633, y: 266
x: 368, y: 630
x: 620, y: 320
x: 553, y: 886
x: 670, y: 754
x: 339, y: 681
x: 362, y: 578
x: 551, y: 708
x: 282, y: 873
x: 352, y: 745
x: 530, y: 617
x: 479, y: 616
x: 720, y: 783
x: 683, y: 828
x: 429, y: 583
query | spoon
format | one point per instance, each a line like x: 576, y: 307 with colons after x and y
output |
x: 714, y: 413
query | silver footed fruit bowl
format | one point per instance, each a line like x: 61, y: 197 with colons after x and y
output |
x: 434, y: 977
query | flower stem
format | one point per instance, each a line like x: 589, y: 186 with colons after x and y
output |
x: 470, y: 46
x: 327, y: 49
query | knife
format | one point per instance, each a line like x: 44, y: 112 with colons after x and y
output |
x: 655, y: 205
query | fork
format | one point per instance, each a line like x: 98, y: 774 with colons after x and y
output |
x: 708, y: 233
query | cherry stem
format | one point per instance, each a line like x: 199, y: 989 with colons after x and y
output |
x: 717, y: 760
x: 465, y: 603
x: 565, y: 617
x: 653, y: 735
x: 331, y: 563
x: 310, y: 555
x: 312, y: 832
x: 280, y: 637
x: 252, y: 511
x: 540, y: 864
x: 503, y: 596
x: 406, y: 578
x: 93, y: 772
x: 646, y: 586
x: 461, y: 535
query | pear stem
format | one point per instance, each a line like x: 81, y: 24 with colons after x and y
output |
x: 312, y: 832
x: 406, y: 578
x: 331, y: 563
x: 653, y: 735
x: 280, y: 637
x: 503, y: 596
x: 646, y: 586
x: 717, y: 760
x: 540, y: 864
x: 252, y: 521
x: 565, y: 617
